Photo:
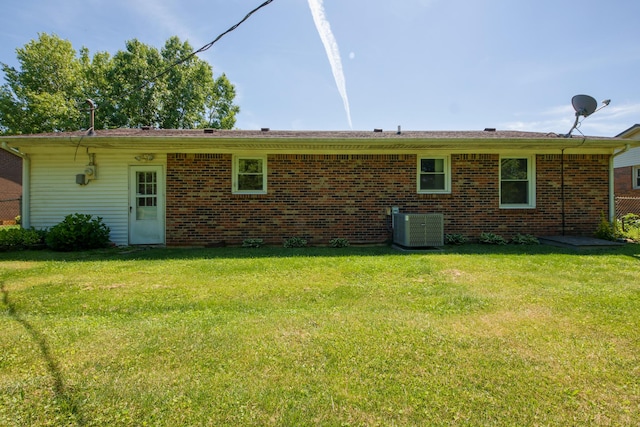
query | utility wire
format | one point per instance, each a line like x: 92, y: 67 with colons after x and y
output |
x: 205, y: 47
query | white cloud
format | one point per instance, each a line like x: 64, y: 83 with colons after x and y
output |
x: 609, y: 121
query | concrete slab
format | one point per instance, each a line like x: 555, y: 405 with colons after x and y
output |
x: 578, y: 242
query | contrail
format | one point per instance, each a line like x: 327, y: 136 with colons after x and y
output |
x: 333, y: 52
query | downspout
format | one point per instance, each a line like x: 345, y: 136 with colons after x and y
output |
x: 612, y: 188
x: 25, y: 211
x: 564, y: 221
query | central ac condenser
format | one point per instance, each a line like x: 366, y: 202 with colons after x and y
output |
x: 418, y: 230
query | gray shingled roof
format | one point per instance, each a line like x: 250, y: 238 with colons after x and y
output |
x: 173, y: 140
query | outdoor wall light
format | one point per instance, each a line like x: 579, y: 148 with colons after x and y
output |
x: 145, y: 157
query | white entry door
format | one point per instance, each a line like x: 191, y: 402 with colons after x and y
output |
x: 146, y: 205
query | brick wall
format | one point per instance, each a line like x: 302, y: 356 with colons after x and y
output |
x: 320, y: 197
x: 10, y: 175
x: 10, y: 186
x: 624, y: 182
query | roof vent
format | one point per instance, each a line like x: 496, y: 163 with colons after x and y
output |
x: 377, y: 130
x: 146, y: 128
x: 489, y: 129
x: 265, y: 129
x: 208, y: 131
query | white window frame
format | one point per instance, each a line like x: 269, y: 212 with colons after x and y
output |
x: 446, y: 170
x: 236, y: 172
x: 531, y: 180
x: 636, y: 177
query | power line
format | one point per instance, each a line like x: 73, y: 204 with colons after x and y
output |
x: 205, y: 47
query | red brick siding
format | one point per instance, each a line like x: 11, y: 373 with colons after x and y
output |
x: 320, y: 197
x: 624, y: 182
x: 10, y: 186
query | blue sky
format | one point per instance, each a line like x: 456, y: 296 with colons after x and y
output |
x: 421, y: 64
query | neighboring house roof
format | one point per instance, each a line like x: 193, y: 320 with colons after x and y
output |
x: 630, y: 157
x: 316, y: 141
x: 632, y: 133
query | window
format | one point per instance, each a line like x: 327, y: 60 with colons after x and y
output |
x: 636, y: 177
x: 434, y: 175
x: 147, y: 196
x: 517, y: 182
x: 249, y: 175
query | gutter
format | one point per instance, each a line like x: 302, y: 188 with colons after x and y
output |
x: 612, y: 188
x: 25, y: 211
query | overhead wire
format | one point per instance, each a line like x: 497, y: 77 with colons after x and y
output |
x: 205, y: 47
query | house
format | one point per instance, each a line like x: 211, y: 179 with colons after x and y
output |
x: 10, y: 186
x: 210, y: 187
x: 627, y: 175
x: 627, y: 166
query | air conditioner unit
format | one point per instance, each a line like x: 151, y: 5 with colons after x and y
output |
x: 418, y: 230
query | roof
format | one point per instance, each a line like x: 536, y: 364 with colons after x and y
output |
x: 174, y: 140
x: 632, y: 132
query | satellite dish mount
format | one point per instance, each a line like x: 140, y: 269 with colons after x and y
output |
x: 584, y: 105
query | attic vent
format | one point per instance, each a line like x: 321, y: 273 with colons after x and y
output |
x: 265, y: 129
x: 377, y: 130
x: 208, y: 131
x: 418, y: 230
x: 489, y: 129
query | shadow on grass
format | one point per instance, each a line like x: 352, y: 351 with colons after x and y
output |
x: 160, y: 253
x: 66, y: 401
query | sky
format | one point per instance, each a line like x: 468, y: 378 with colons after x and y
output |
x: 366, y: 64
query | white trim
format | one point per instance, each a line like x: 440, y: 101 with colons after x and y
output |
x: 446, y: 171
x: 235, y: 172
x: 635, y: 177
x: 531, y: 178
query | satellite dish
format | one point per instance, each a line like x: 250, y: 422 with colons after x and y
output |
x: 584, y: 105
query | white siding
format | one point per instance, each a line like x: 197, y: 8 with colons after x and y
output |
x: 55, y: 194
x: 630, y: 158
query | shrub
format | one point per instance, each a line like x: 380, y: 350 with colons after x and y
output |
x: 525, y: 239
x: 607, y: 230
x: 18, y: 220
x: 295, y: 242
x: 629, y: 226
x: 492, y: 239
x: 20, y: 238
x: 252, y: 243
x: 339, y: 243
x: 78, y: 232
x: 455, y: 239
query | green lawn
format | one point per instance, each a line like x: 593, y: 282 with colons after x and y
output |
x: 474, y: 335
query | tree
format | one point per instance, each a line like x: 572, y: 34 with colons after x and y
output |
x: 140, y: 85
x: 43, y: 95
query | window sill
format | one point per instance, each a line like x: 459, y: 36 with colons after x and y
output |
x: 517, y: 207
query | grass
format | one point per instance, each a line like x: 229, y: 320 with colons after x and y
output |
x: 473, y: 335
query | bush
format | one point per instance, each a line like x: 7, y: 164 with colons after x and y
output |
x: 18, y: 220
x: 78, y: 232
x: 455, y: 239
x: 252, y: 243
x: 629, y: 226
x: 492, y: 239
x: 19, y: 238
x: 339, y: 243
x: 607, y: 230
x: 525, y: 239
x: 295, y: 242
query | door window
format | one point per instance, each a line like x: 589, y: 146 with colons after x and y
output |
x: 146, y: 196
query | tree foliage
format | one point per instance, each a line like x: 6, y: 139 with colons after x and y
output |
x: 137, y: 86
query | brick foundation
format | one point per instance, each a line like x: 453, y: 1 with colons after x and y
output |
x: 321, y: 197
